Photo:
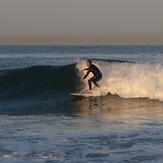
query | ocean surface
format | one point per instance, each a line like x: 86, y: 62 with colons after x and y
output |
x: 121, y: 123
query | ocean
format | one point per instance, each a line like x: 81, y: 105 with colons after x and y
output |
x: 121, y: 123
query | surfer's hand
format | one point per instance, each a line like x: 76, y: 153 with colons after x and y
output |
x: 82, y: 79
x: 83, y: 70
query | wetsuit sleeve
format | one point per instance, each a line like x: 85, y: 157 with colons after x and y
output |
x: 88, y: 71
x: 86, y: 68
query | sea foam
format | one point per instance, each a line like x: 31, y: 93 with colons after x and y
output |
x: 128, y: 80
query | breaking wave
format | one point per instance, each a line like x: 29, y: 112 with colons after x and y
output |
x: 46, y: 89
x: 129, y: 80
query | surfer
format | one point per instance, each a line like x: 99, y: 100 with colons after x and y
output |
x: 95, y: 71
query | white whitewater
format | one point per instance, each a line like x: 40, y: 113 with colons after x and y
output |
x: 128, y: 80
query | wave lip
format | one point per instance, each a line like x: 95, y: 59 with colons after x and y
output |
x: 129, y: 80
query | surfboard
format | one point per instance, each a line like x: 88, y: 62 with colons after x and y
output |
x: 83, y: 94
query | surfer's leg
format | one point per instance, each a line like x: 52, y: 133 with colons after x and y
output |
x: 96, y: 84
x: 95, y: 80
x: 90, y: 83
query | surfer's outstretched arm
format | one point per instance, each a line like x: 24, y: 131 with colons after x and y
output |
x: 87, y: 73
x: 85, y: 69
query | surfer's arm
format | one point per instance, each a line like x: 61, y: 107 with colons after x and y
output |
x: 85, y: 69
x: 89, y: 70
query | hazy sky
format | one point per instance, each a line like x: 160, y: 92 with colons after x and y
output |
x: 81, y: 21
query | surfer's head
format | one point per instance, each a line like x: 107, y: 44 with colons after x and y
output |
x: 88, y: 63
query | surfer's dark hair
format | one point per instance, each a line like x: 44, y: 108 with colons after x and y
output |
x: 89, y: 61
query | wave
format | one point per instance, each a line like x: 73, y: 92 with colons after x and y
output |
x: 126, y: 79
x: 45, y: 89
x: 129, y: 80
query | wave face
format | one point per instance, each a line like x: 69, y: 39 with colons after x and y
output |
x: 39, y: 89
x: 35, y: 80
x: 129, y: 80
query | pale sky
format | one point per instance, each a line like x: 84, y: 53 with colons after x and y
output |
x: 81, y: 22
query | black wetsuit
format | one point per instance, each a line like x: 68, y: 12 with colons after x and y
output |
x: 97, y: 76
